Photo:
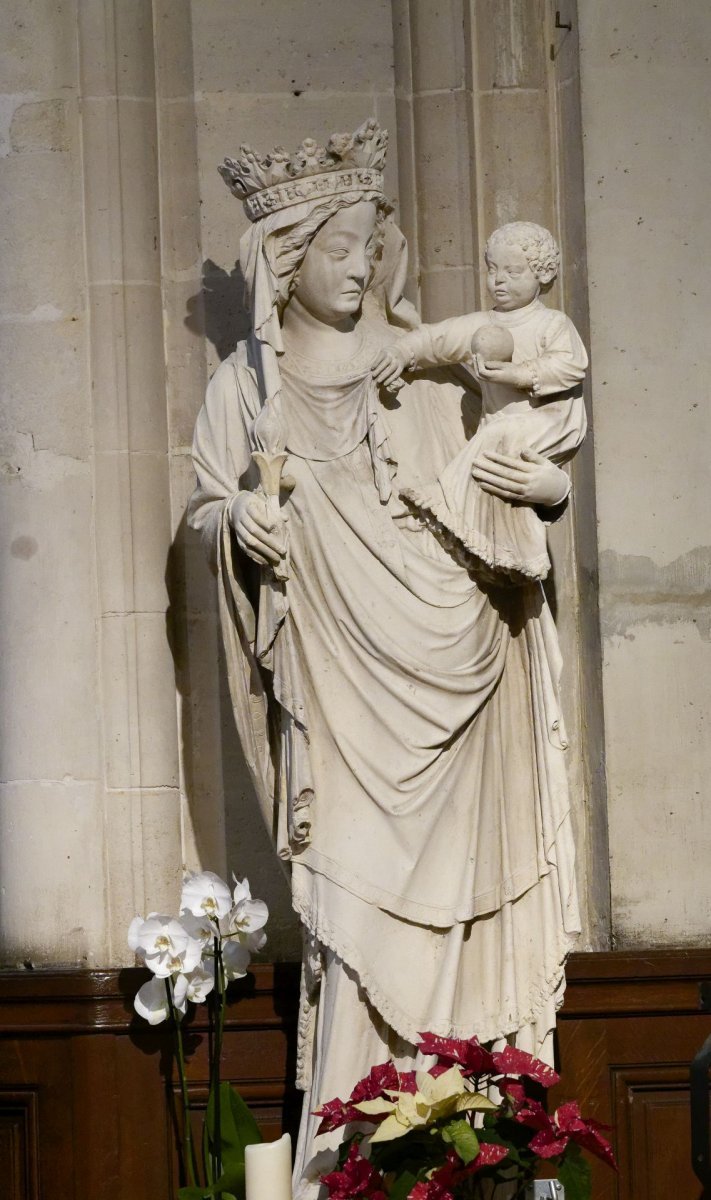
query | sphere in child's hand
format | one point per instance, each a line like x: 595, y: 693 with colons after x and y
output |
x: 493, y: 343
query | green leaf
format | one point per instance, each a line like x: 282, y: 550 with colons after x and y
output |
x: 463, y: 1138
x: 230, y: 1185
x: 238, y: 1127
x: 403, y: 1185
x: 191, y: 1193
x: 575, y: 1174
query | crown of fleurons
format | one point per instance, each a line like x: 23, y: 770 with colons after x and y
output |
x: 351, y: 162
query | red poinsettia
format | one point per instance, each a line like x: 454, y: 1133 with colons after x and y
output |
x: 567, y: 1125
x: 385, y: 1077
x: 357, y: 1178
x: 441, y: 1184
x: 474, y: 1059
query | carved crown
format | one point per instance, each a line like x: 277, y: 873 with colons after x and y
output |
x: 350, y: 162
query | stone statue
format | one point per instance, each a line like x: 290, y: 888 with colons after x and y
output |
x: 398, y: 707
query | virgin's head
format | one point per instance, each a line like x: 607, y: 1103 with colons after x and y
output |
x: 326, y: 262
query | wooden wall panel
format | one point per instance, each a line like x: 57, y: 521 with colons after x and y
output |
x: 18, y: 1144
x: 87, y: 1090
x: 628, y: 1031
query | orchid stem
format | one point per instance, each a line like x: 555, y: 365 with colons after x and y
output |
x: 217, y: 1056
x: 188, y: 1148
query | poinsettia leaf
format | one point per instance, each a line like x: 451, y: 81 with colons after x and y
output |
x: 469, y: 1054
x: 384, y: 1075
x: 575, y: 1175
x: 490, y: 1155
x: 465, y: 1141
x: 430, y: 1189
x: 511, y: 1061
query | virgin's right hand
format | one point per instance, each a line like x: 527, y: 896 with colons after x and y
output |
x: 389, y: 365
x: 258, y: 533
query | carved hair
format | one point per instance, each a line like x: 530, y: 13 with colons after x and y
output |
x: 293, y: 243
x: 538, y: 245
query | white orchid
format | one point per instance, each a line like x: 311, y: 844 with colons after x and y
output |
x: 235, y: 959
x: 164, y: 945
x: 202, y: 929
x: 256, y: 941
x: 151, y: 1001
x: 204, y: 894
x: 194, y: 987
x: 246, y: 915
x: 440, y: 1096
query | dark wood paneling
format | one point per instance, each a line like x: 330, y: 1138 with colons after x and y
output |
x: 87, y: 1090
x: 18, y: 1144
x: 630, y: 1026
x: 100, y: 1084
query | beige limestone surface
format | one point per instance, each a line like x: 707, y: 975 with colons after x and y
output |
x: 646, y: 112
x: 119, y: 295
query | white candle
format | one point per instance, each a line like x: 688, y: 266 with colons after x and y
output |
x: 268, y: 1170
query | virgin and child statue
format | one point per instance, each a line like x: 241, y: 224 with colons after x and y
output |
x: 395, y: 694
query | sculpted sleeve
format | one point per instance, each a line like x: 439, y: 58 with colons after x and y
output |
x: 446, y: 342
x: 563, y: 360
x: 221, y: 456
x: 222, y: 459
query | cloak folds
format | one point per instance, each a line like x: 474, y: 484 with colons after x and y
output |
x: 401, y: 723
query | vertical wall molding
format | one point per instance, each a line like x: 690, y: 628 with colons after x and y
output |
x: 130, y: 460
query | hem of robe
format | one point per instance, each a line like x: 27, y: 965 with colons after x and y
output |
x: 369, y: 1042
x: 468, y: 542
x: 509, y: 889
x: 537, y: 991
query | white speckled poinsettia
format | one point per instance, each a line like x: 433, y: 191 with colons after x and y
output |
x: 434, y: 1098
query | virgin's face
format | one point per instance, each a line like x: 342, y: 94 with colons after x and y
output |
x: 509, y: 279
x: 336, y: 268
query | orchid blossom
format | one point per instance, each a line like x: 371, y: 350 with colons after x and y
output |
x: 164, y: 945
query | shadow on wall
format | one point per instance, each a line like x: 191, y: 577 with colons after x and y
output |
x: 227, y: 826
x: 218, y: 312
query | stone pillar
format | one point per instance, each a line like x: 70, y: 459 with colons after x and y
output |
x: 51, y: 807
x: 139, y: 739
x: 90, y: 828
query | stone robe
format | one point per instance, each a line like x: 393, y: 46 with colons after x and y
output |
x: 401, y: 721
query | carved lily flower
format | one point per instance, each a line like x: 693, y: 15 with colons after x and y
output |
x: 440, y: 1096
x: 205, y: 895
x: 164, y: 945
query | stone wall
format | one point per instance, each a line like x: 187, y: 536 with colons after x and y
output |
x: 120, y: 293
x: 646, y: 102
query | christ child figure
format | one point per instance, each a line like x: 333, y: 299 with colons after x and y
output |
x: 530, y: 363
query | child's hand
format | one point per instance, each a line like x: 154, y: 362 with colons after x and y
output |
x: 516, y: 375
x: 389, y: 365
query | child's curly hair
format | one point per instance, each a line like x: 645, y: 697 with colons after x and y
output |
x: 539, y: 246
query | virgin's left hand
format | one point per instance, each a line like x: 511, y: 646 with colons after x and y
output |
x: 529, y: 478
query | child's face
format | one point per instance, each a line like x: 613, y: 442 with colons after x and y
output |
x: 510, y: 281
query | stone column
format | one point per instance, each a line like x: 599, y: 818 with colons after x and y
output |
x: 138, y: 738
